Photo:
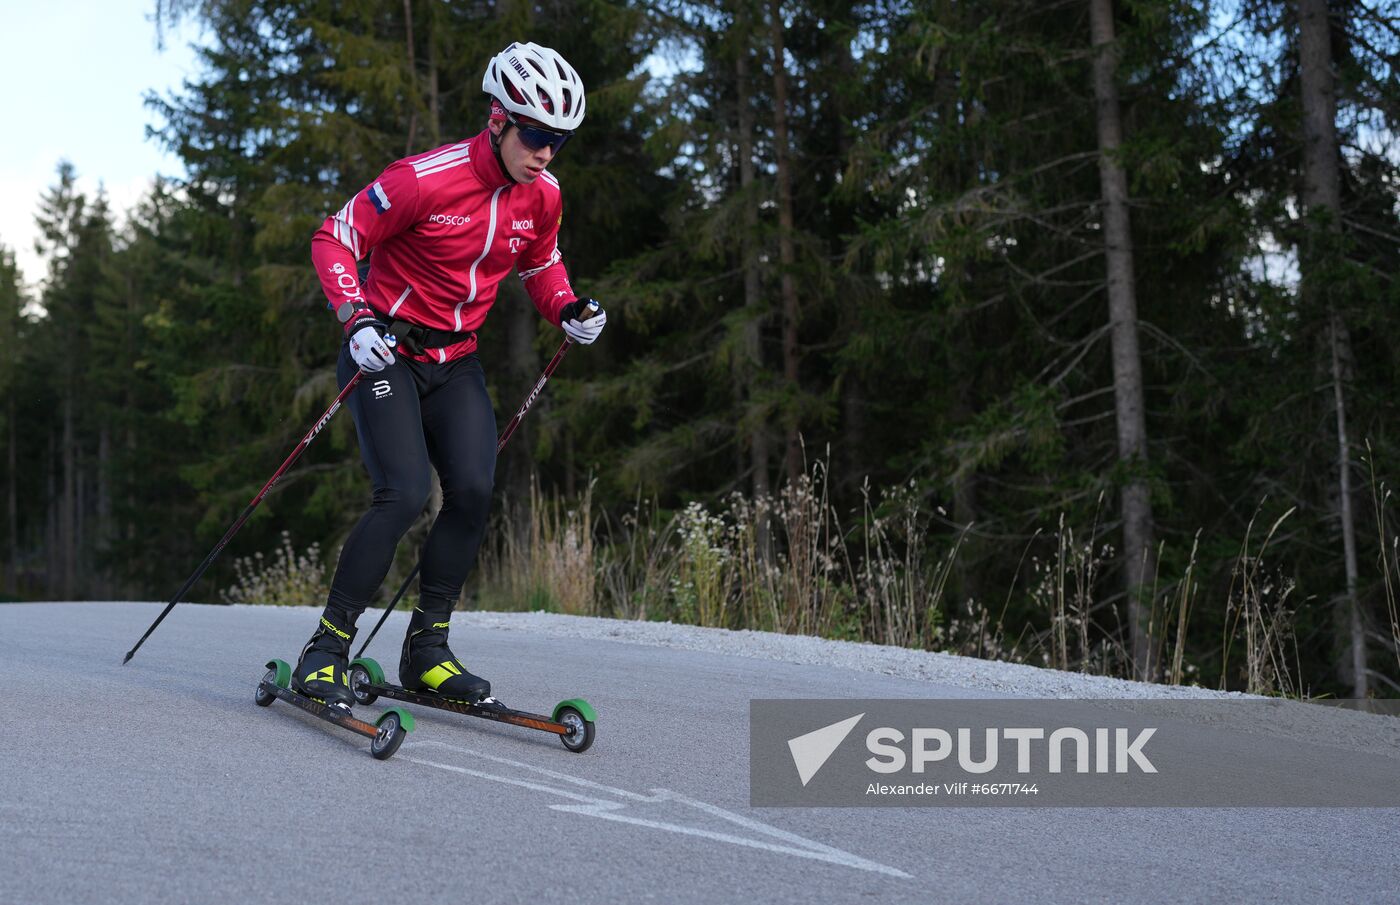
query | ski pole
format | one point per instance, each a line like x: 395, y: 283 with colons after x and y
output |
x: 500, y: 445
x: 228, y: 535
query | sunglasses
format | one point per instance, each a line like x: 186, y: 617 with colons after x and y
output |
x: 537, y: 137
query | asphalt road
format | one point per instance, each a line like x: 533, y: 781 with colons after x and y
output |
x: 161, y: 782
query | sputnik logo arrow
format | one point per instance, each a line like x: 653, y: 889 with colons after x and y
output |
x: 811, y: 751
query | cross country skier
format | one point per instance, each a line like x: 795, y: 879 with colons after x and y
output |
x: 446, y: 227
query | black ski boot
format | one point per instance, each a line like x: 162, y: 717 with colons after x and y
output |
x: 428, y: 664
x: 323, y: 672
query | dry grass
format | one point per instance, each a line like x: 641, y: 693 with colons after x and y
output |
x: 1389, y: 562
x: 712, y: 567
x: 637, y: 569
x: 786, y: 564
x: 1257, y: 602
x: 903, y: 594
x: 543, y: 558
x: 1182, y: 602
x: 701, y: 586
x: 287, y: 578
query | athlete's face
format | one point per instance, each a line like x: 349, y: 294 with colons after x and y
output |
x: 524, y: 164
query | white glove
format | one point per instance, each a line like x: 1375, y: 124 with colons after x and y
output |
x: 583, y: 331
x: 368, y: 348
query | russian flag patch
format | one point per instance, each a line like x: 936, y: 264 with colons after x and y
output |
x: 376, y: 196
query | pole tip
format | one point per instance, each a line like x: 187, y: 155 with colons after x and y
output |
x: 127, y: 658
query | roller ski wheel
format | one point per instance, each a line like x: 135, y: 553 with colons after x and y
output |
x: 364, y: 674
x: 278, y: 675
x: 386, y: 734
x: 579, y: 738
x: 572, y: 720
x: 389, y: 736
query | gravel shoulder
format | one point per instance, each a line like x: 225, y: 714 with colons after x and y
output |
x: 1347, y: 729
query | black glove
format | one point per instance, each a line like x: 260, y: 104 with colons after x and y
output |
x: 583, y: 320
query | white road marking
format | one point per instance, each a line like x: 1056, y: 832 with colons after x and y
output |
x: 552, y: 774
x: 538, y: 787
x: 844, y: 859
x: 602, y: 808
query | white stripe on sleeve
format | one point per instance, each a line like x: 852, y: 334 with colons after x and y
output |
x: 554, y: 258
x: 459, y: 153
x: 446, y: 165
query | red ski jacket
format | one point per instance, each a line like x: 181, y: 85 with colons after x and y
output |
x: 446, y: 227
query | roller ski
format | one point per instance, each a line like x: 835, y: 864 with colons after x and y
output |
x: 432, y: 676
x: 320, y: 686
x: 571, y: 720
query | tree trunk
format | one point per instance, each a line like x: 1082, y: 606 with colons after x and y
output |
x: 786, y: 255
x: 1340, y: 344
x: 52, y: 561
x: 1134, y: 499
x: 12, y: 505
x: 524, y: 368
x: 570, y: 476
x: 80, y: 530
x: 434, y: 121
x: 66, y: 503
x: 103, y: 535
x: 131, y: 487
x: 856, y: 459
x: 413, y: 98
x: 750, y: 369
x: 518, y: 469
x: 1322, y: 197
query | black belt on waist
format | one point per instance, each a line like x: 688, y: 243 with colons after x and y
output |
x: 414, y: 339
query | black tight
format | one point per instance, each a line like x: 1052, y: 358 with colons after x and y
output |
x: 409, y: 415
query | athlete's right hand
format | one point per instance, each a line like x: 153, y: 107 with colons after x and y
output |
x: 368, y: 348
x: 583, y: 320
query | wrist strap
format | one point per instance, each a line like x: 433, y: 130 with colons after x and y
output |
x: 352, y: 313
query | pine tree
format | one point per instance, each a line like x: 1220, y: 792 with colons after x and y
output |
x: 12, y: 354
x: 1317, y: 396
x: 1139, y: 555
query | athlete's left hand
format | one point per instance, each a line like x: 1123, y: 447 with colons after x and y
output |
x: 586, y: 330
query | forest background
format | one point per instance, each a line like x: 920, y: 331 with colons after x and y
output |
x: 1050, y: 330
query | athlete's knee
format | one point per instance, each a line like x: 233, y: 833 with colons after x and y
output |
x: 470, y: 492
x: 403, y: 500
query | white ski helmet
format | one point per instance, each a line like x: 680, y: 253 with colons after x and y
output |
x: 535, y: 81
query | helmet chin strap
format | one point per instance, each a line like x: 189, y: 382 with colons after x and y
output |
x: 496, y: 148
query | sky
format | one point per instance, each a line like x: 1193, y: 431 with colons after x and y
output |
x: 74, y: 73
